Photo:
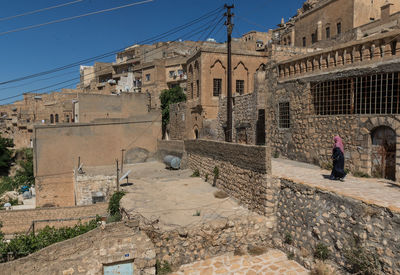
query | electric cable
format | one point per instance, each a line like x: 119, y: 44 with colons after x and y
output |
x: 39, y: 10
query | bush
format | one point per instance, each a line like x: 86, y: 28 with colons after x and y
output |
x: 276, y: 154
x: 321, y: 268
x: 361, y: 261
x: 114, y: 206
x: 23, y: 245
x: 288, y: 238
x: 327, y: 165
x: 196, y: 173
x: 163, y: 268
x: 321, y: 252
x: 5, y: 155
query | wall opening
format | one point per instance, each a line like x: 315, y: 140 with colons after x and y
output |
x: 260, y: 128
x: 383, y: 153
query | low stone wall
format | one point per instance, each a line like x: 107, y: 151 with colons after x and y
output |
x: 19, y: 221
x: 242, y: 171
x: 310, y: 216
x: 219, y: 237
x: 86, y: 187
x: 170, y: 147
x: 89, y: 253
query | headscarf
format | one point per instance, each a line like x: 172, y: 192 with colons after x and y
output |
x: 338, y: 143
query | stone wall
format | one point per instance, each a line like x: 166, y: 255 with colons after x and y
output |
x: 205, y: 240
x: 310, y: 136
x: 90, y: 253
x: 177, y: 121
x: 312, y: 216
x: 88, y: 186
x: 244, y: 115
x: 242, y: 171
x: 17, y: 221
x: 170, y: 147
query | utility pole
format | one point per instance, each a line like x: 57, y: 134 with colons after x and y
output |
x: 117, y: 176
x: 229, y: 26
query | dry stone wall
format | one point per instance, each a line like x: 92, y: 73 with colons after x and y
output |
x: 89, y: 253
x: 19, y: 221
x: 308, y: 216
x: 88, y: 187
x: 242, y: 171
x: 204, y: 240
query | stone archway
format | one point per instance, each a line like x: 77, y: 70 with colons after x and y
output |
x: 383, y: 152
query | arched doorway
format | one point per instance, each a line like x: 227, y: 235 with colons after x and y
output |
x: 383, y: 153
x: 196, y: 133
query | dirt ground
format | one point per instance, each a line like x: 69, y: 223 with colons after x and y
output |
x: 174, y: 197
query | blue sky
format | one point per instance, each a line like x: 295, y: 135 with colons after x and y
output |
x: 40, y: 49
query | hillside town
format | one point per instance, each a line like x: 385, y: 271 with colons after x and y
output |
x: 273, y: 152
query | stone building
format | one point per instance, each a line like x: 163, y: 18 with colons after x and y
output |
x: 17, y: 119
x: 206, y: 84
x: 351, y: 89
x: 321, y: 23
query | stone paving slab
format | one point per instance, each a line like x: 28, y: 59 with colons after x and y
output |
x: 274, y: 262
x: 380, y: 192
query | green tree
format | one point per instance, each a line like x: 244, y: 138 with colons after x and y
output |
x: 5, y: 155
x: 167, y: 97
x: 24, y: 175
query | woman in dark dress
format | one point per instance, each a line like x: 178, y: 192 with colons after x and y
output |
x: 338, y: 172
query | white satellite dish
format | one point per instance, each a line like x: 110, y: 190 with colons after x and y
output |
x: 125, y: 175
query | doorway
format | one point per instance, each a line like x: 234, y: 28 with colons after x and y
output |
x: 383, y: 153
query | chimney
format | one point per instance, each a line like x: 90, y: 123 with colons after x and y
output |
x: 385, y: 11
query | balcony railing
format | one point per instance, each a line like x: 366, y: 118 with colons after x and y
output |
x: 369, y: 50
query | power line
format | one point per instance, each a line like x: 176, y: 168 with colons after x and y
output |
x: 104, y: 55
x: 39, y: 10
x: 192, y: 33
x: 74, y: 17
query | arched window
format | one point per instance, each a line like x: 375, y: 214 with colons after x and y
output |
x: 56, y: 118
x: 51, y: 118
x: 67, y: 118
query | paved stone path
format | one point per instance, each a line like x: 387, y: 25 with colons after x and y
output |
x: 271, y: 263
x: 381, y: 192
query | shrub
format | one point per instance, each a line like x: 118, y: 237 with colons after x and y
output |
x: 216, y: 175
x: 288, y: 238
x: 197, y: 213
x: 206, y: 177
x: 114, y: 206
x: 23, y: 245
x: 321, y: 252
x: 290, y: 256
x: 321, y: 268
x: 276, y: 154
x: 163, y: 268
x: 196, y: 173
x: 361, y: 261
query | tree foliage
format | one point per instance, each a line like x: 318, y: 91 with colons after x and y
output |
x: 25, y: 244
x: 167, y: 97
x: 5, y: 155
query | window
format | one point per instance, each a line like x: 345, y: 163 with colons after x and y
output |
x: 339, y: 28
x: 147, y: 77
x: 171, y: 73
x: 56, y: 118
x: 284, y: 115
x: 197, y: 88
x: 67, y: 118
x: 328, y: 32
x: 304, y: 42
x: 313, y: 38
x: 217, y: 86
x: 368, y: 94
x: 240, y: 87
x: 191, y: 90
